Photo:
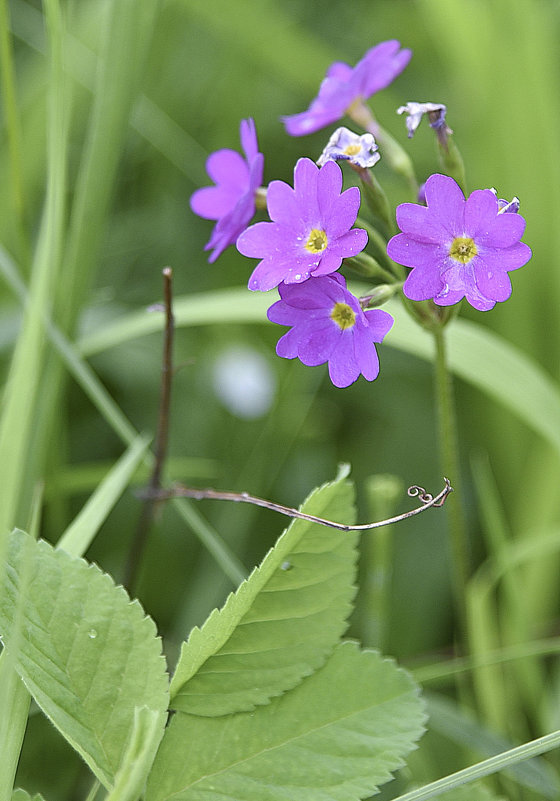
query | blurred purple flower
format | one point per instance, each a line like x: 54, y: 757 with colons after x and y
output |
x: 343, y: 85
x: 232, y: 201
x: 329, y: 325
x: 310, y: 233
x: 345, y: 145
x: 458, y: 248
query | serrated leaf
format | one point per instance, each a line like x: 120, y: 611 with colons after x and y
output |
x: 283, y: 620
x: 86, y: 653
x: 334, y: 737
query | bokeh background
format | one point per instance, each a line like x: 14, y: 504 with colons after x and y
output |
x: 285, y: 429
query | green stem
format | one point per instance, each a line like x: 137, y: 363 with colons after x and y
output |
x: 14, y: 700
x: 449, y: 457
x: 494, y: 764
x: 13, y: 129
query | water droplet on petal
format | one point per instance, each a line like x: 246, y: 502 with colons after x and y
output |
x: 297, y: 277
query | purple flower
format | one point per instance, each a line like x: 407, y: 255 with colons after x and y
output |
x: 232, y: 201
x: 329, y: 325
x: 436, y: 114
x: 458, y: 248
x: 506, y: 206
x: 310, y: 233
x: 345, y: 145
x: 342, y: 86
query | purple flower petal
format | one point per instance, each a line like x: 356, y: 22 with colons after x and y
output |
x: 213, y: 202
x: 446, y: 201
x: 227, y: 167
x: 422, y: 284
x: 344, y: 368
x: 420, y: 223
x: 507, y: 258
x: 503, y: 230
x: 381, y: 65
x: 248, y: 136
x: 330, y: 262
x: 480, y: 209
x: 492, y: 283
x: 329, y: 187
x: 404, y: 249
x: 351, y: 243
x: 281, y: 202
x: 380, y: 323
x: 343, y: 211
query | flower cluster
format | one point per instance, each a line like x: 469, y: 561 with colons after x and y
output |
x: 456, y: 248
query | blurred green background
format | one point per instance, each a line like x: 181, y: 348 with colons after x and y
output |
x: 210, y: 64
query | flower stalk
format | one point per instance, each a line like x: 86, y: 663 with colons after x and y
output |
x: 449, y: 461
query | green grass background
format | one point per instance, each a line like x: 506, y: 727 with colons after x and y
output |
x: 178, y: 79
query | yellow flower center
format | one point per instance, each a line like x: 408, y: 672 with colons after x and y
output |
x: 317, y: 241
x: 463, y: 249
x: 343, y: 315
x: 352, y: 150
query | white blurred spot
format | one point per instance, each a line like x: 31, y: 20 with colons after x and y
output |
x: 244, y: 382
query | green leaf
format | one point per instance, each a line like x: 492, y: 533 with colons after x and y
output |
x: 336, y: 736
x: 23, y: 795
x: 283, y: 620
x: 86, y: 653
x: 232, y: 305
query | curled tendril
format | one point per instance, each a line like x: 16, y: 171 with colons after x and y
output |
x: 416, y: 491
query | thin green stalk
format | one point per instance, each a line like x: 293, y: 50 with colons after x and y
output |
x: 14, y: 700
x: 441, y: 672
x: 383, y: 493
x: 125, y: 43
x: 13, y: 129
x: 494, y: 764
x: 22, y: 389
x: 14, y: 696
x: 21, y: 393
x: 449, y: 456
